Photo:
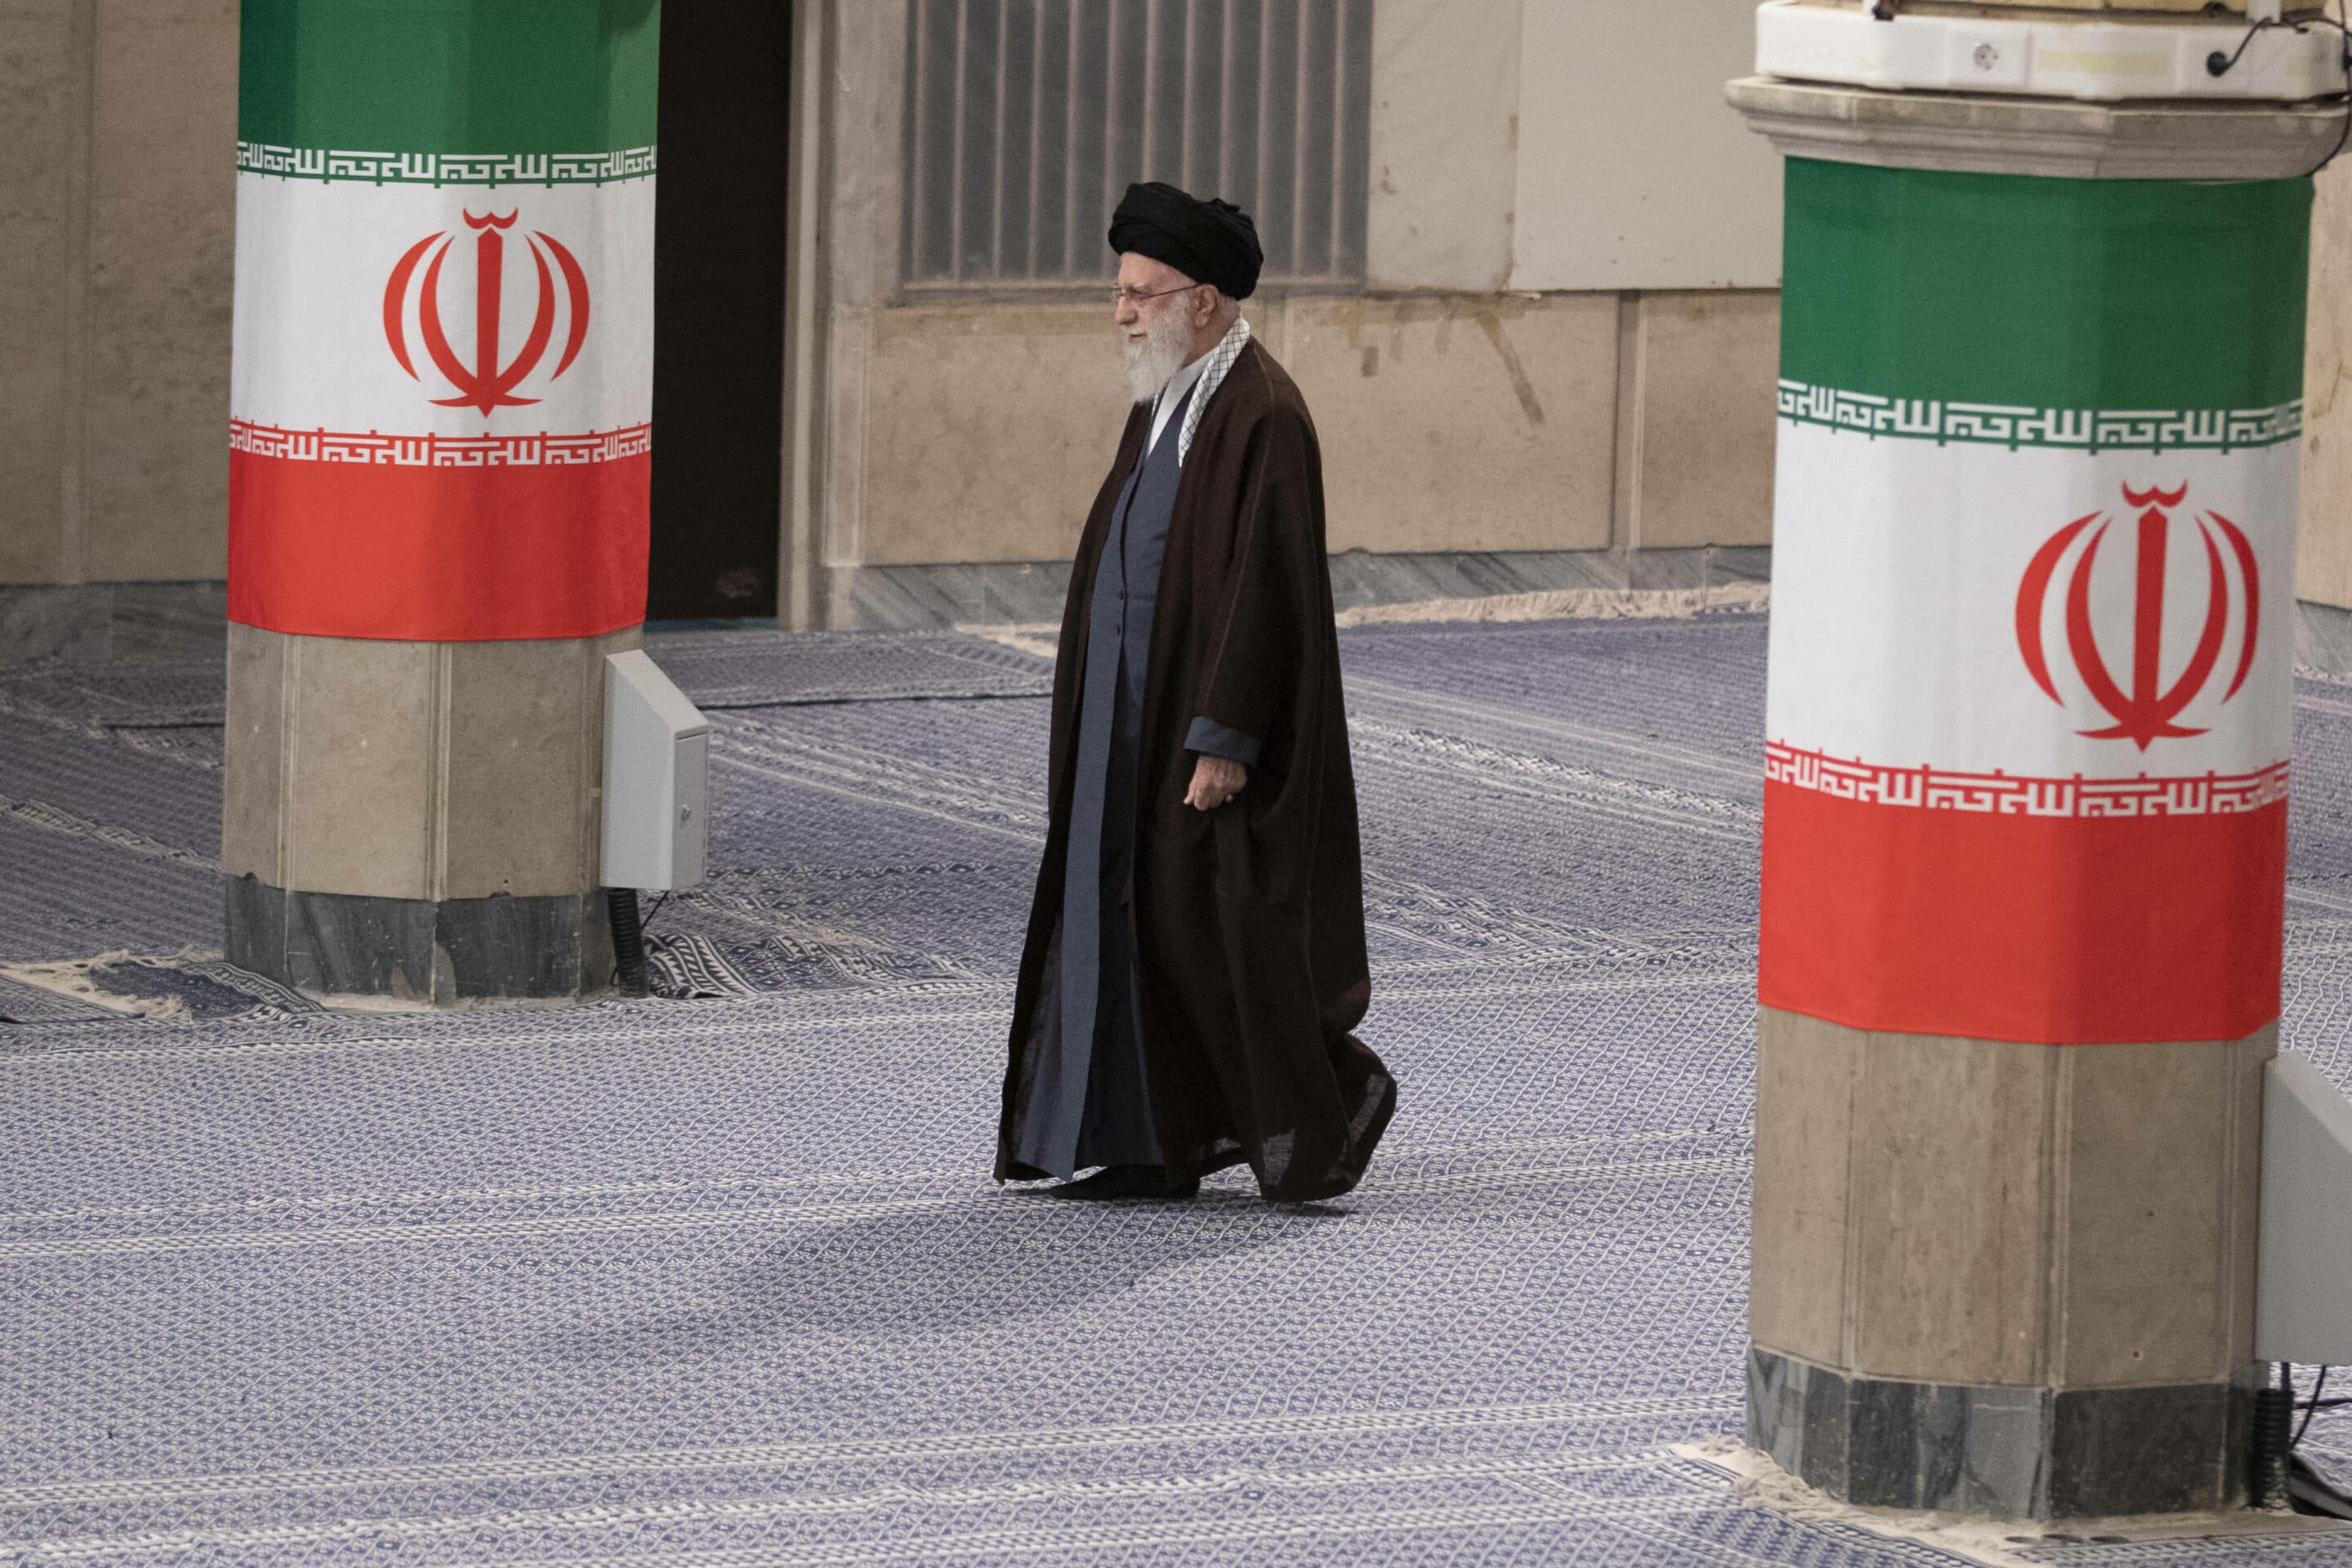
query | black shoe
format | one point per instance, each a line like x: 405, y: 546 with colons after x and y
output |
x: 1120, y: 1181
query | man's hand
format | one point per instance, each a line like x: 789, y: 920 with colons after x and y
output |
x: 1214, y: 782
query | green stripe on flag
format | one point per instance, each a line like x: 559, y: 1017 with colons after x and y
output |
x: 2044, y: 293
x: 450, y: 76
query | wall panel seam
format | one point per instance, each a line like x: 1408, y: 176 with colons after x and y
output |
x: 1633, y: 390
x: 2052, y: 1343
x: 1857, y: 1063
x: 81, y: 153
x: 435, y: 834
x: 290, y: 739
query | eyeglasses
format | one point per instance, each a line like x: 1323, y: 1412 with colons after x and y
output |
x: 1136, y: 296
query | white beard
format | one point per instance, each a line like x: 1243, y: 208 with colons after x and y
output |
x: 1160, y: 355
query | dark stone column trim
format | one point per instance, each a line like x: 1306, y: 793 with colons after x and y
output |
x: 2011, y: 1452
x: 442, y: 952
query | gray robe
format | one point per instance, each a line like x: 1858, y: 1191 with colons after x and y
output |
x: 1088, y: 1105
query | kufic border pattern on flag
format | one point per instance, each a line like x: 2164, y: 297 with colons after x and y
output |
x: 2013, y: 795
x: 2148, y: 430
x: 485, y: 169
x: 438, y: 451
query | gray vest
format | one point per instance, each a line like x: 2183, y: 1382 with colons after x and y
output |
x: 1127, y: 583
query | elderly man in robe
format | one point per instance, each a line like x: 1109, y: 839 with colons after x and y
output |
x: 1195, y: 958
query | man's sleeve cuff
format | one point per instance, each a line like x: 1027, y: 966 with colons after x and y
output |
x: 1211, y: 739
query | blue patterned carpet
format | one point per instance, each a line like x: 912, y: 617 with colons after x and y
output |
x: 719, y: 1279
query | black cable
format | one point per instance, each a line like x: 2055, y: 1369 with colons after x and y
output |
x: 2311, y: 1409
x: 628, y: 941
x: 647, y: 923
x: 2269, y: 1477
x: 2280, y: 1475
x: 2218, y: 64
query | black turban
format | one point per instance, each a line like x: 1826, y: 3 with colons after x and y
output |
x: 1209, y: 242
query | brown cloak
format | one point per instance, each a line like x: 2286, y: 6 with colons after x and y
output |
x: 1249, y: 919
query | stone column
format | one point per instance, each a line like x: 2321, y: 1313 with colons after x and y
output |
x: 440, y: 453
x: 2024, y: 838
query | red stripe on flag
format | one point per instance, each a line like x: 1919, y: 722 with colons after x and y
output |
x: 2064, y: 931
x: 438, y: 555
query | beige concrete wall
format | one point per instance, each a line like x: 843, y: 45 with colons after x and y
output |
x: 1469, y: 422
x: 1454, y: 415
x: 116, y: 227
x: 1633, y: 173
x: 162, y: 247
x: 1700, y: 403
x: 43, y: 90
x: 861, y: 251
x: 1444, y: 143
x: 1457, y: 422
x: 988, y: 430
x: 2324, y: 559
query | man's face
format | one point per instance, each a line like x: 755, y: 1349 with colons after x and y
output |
x: 1142, y: 274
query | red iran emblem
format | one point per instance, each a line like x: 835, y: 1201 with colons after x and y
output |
x: 2149, y: 709
x: 486, y: 385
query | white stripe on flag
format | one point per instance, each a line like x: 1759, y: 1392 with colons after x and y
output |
x: 314, y: 260
x: 1897, y: 576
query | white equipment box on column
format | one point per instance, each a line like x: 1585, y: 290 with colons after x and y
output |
x: 2303, y: 1304
x: 656, y: 778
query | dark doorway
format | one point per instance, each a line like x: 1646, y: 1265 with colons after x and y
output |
x: 719, y: 308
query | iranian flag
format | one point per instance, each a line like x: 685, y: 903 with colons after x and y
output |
x: 442, y: 391
x: 2031, y: 686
